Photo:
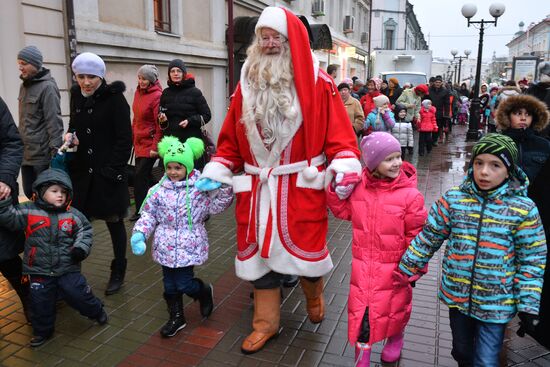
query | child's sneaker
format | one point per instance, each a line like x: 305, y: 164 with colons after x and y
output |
x: 38, y: 340
x: 102, y: 318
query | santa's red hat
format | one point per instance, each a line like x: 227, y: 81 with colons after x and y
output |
x: 289, y: 25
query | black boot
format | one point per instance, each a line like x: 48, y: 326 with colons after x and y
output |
x: 205, y: 298
x: 175, y: 310
x: 118, y: 270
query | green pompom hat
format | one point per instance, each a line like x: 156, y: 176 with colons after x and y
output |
x: 171, y: 149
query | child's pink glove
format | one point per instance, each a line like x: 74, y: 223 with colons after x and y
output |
x: 345, y: 183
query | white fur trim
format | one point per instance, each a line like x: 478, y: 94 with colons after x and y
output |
x: 317, y: 183
x: 242, y: 183
x: 280, y: 261
x: 218, y: 172
x: 274, y: 18
x: 344, y: 165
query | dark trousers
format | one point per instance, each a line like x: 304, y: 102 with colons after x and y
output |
x: 180, y: 280
x: 475, y: 343
x: 72, y: 287
x: 143, y: 179
x: 424, y: 142
x: 28, y: 176
x: 274, y: 280
x: 12, y: 270
x: 118, y: 238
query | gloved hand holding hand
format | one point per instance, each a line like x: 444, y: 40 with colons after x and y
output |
x: 137, y: 241
x: 345, y: 183
x: 77, y: 255
x: 527, y: 324
x: 206, y: 184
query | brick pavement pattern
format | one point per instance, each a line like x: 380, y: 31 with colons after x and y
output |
x: 131, y: 337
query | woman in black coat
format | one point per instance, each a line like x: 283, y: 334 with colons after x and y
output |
x: 534, y: 159
x: 183, y: 107
x: 11, y: 243
x: 100, y: 128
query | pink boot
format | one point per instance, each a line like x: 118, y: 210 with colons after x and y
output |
x: 392, y: 350
x: 362, y: 355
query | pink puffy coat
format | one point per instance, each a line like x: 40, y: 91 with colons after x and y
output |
x: 386, y: 216
x: 427, y: 122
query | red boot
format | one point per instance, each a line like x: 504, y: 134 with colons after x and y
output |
x: 392, y: 350
x: 362, y: 355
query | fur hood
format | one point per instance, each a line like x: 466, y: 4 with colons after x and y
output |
x: 540, y: 113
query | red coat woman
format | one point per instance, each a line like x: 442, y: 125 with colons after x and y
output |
x: 373, y: 87
x: 146, y: 130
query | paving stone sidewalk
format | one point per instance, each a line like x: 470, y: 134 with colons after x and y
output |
x: 136, y: 314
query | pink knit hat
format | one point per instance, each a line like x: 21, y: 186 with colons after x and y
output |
x: 376, y: 147
x: 377, y: 82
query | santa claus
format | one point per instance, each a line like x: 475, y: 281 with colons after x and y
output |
x: 288, y: 133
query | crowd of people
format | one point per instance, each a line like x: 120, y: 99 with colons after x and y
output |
x: 288, y: 150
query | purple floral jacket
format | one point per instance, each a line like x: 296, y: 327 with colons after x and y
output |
x: 178, y: 243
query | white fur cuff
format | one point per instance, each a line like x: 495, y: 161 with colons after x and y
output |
x: 344, y: 165
x: 218, y: 172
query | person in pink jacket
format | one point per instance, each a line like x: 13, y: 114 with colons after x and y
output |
x: 387, y: 212
x: 426, y: 126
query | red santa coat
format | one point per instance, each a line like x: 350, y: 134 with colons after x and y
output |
x: 386, y: 216
x: 281, y: 204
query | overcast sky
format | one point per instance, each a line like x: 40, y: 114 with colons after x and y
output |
x: 445, y: 28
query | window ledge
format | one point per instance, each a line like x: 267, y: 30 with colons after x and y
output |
x: 167, y: 34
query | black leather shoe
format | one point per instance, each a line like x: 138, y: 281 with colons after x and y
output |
x: 134, y: 217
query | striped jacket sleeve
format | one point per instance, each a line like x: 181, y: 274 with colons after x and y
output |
x: 429, y: 240
x: 530, y: 248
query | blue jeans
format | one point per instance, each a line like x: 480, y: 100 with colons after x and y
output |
x: 72, y: 287
x: 180, y: 280
x: 475, y: 343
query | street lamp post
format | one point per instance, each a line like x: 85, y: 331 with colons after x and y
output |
x: 468, y: 11
x: 454, y: 52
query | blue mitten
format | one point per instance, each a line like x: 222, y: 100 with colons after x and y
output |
x: 206, y: 184
x: 138, y: 243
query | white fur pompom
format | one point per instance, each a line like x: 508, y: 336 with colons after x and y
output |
x: 310, y: 173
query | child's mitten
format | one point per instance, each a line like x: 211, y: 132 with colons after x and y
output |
x: 137, y: 241
x: 77, y: 255
x: 206, y: 184
x: 345, y: 183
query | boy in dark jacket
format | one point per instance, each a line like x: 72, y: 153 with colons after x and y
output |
x: 53, y: 265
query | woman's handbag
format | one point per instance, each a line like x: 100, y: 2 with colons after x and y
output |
x: 131, y: 169
x: 209, y: 146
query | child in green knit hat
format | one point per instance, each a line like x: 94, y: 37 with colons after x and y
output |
x: 494, y: 261
x: 174, y: 211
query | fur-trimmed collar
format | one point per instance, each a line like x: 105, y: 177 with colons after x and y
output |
x: 537, y: 108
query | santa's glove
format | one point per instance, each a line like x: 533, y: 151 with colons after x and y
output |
x: 527, y: 324
x: 77, y: 255
x: 413, y: 279
x: 137, y: 241
x: 345, y: 183
x: 206, y: 184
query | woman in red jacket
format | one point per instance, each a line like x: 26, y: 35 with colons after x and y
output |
x: 146, y: 131
x: 373, y: 87
x: 386, y: 211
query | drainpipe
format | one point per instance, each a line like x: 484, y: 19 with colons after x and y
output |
x: 71, y: 32
x: 369, y: 63
x: 230, y: 47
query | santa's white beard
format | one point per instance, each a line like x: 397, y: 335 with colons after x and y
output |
x: 270, y: 103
